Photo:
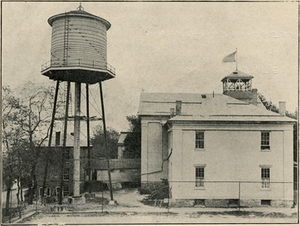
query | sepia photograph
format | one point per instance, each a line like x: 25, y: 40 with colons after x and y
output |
x: 140, y: 112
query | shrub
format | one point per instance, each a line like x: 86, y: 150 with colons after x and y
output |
x: 156, y: 190
x: 94, y: 186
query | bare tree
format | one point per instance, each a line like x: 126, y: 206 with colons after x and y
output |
x: 13, y: 138
x: 25, y: 127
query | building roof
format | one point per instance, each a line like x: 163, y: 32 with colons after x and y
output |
x: 237, y: 75
x: 79, y: 13
x: 101, y: 164
x: 205, y: 107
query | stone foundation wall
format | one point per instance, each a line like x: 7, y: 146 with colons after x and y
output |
x: 181, y: 202
x: 216, y: 202
x: 250, y: 202
x: 227, y: 203
x: 282, y: 203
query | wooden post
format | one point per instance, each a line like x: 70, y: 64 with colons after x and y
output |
x: 239, y: 195
x: 88, y: 132
x: 105, y: 142
x: 64, y: 143
x: 50, y: 138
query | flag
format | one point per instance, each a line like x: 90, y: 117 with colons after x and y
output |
x: 230, y: 58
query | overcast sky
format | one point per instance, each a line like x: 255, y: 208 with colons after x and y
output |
x: 165, y: 47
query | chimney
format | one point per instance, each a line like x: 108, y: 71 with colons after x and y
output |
x: 172, y: 112
x: 282, y: 108
x: 178, y: 107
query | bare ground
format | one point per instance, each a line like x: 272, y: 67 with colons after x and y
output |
x: 131, y: 210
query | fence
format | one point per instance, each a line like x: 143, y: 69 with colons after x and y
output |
x: 228, y: 193
x: 172, y: 194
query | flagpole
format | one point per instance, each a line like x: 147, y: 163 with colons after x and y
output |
x: 236, y: 61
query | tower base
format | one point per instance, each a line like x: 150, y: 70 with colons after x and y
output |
x: 113, y: 203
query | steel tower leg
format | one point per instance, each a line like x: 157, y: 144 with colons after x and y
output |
x: 105, y: 143
x: 76, y: 154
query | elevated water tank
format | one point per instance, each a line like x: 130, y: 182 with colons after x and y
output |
x: 78, y: 48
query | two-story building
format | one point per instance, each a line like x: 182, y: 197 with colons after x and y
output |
x: 217, y: 149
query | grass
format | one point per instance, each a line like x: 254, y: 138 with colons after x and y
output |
x: 97, y: 200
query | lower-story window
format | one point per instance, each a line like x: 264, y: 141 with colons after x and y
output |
x: 265, y: 202
x: 57, y: 191
x: 66, y: 175
x: 265, y: 177
x: 48, y: 192
x: 199, y: 172
x: 40, y: 191
x: 66, y: 191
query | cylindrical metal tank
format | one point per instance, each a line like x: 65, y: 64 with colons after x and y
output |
x: 78, y: 38
x: 78, y: 43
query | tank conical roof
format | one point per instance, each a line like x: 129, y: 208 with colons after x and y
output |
x: 79, y: 13
x: 237, y: 75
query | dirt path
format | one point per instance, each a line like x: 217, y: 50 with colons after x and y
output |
x: 141, y: 218
x: 129, y: 198
x: 131, y: 210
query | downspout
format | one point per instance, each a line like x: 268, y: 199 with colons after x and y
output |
x: 162, y: 165
x: 173, y: 112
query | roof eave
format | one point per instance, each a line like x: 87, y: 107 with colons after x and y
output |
x: 231, y: 121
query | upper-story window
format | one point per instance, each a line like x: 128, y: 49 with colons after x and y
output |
x: 199, y: 141
x: 57, y: 138
x: 265, y: 141
x: 66, y: 154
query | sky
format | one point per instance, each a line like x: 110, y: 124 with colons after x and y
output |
x: 164, y: 47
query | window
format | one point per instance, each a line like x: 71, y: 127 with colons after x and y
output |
x: 265, y: 177
x: 40, y: 191
x: 265, y: 202
x: 94, y: 175
x: 57, y: 138
x: 66, y: 191
x: 265, y: 141
x: 199, y: 202
x: 199, y: 139
x: 57, y: 191
x: 199, y: 171
x: 48, y: 192
x: 67, y: 154
x: 66, y: 175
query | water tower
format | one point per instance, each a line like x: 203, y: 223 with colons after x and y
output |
x: 78, y: 55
